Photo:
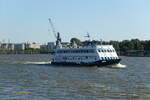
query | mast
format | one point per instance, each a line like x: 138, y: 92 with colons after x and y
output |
x: 58, y: 41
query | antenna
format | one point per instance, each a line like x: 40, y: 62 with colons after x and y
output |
x: 88, y: 36
x: 53, y: 28
x: 101, y: 41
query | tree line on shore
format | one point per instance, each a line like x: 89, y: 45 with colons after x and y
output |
x: 121, y: 46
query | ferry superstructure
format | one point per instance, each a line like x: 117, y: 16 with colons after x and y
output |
x: 90, y: 55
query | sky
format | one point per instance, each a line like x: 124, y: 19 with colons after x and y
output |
x: 27, y: 20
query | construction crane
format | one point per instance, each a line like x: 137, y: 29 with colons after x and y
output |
x: 53, y: 28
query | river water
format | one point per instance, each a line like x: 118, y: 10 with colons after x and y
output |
x: 20, y: 79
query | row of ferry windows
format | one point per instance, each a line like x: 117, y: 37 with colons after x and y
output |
x: 86, y: 57
x: 79, y: 58
x: 75, y: 51
x: 103, y: 50
x: 108, y: 58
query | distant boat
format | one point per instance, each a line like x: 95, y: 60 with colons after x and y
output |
x: 90, y: 55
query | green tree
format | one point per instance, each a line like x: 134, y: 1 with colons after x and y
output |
x: 77, y: 41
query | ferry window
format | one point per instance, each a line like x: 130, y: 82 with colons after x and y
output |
x: 84, y: 51
x: 81, y: 51
x: 75, y: 51
x: 103, y: 58
x: 78, y: 51
x: 90, y: 51
x: 100, y: 58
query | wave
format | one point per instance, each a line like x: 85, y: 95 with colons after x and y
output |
x: 119, y: 66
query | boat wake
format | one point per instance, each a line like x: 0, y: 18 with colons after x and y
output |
x: 118, y: 66
x: 25, y: 62
x: 37, y: 63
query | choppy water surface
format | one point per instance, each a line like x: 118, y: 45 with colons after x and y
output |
x: 20, y: 80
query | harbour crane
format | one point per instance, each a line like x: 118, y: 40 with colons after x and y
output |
x: 53, y: 28
x: 56, y: 34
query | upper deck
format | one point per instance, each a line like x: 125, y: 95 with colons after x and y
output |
x: 87, y: 49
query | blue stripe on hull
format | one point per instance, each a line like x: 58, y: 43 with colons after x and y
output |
x: 97, y: 63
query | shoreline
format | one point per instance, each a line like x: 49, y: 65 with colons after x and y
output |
x: 25, y: 52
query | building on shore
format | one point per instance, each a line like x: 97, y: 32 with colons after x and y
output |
x: 12, y: 46
x: 26, y: 47
x: 19, y: 46
x: 49, y: 47
x: 7, y: 46
x: 34, y: 45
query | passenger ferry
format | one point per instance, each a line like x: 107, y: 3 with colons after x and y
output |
x: 90, y: 55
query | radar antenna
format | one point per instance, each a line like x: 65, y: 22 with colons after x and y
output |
x: 88, y: 36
